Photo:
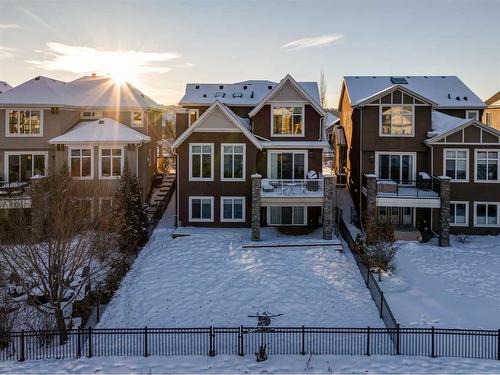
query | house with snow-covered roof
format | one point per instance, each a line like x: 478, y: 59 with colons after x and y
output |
x: 491, y: 115
x: 91, y: 125
x: 418, y: 156
x: 250, y: 154
x: 4, y: 86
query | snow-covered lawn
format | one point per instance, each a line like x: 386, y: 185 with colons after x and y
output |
x: 247, y: 364
x: 209, y: 279
x: 454, y: 287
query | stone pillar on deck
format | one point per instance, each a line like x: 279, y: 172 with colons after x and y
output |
x: 328, y: 207
x: 444, y: 211
x: 256, y: 183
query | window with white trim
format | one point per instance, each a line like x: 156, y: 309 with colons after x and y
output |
x: 110, y: 162
x: 295, y: 215
x: 397, y: 120
x: 486, y: 214
x: 23, y: 165
x: 287, y: 120
x: 27, y: 122
x: 137, y: 119
x: 487, y: 165
x: 233, y: 162
x: 456, y: 164
x: 201, y: 209
x: 472, y: 115
x: 232, y: 209
x: 192, y: 116
x: 80, y: 162
x: 201, y: 161
x: 488, y: 118
x: 459, y: 213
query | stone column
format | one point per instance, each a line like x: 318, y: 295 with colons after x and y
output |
x: 370, y: 213
x: 444, y: 212
x: 328, y: 207
x: 256, y: 183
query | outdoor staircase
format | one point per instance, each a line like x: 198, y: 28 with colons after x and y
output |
x: 159, y: 198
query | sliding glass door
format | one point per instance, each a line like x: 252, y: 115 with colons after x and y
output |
x: 396, y: 167
x: 287, y: 165
x: 21, y: 167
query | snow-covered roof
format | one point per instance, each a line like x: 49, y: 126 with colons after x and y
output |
x: 86, y: 92
x: 4, y: 87
x: 442, y: 123
x: 445, y: 91
x: 246, y: 93
x: 330, y: 119
x: 105, y: 130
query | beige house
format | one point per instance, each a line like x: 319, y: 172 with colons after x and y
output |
x: 92, y: 125
x: 491, y: 115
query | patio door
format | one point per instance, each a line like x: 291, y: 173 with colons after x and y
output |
x: 22, y: 166
x: 285, y: 165
x: 397, y: 167
x: 396, y: 215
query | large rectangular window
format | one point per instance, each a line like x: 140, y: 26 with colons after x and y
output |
x: 456, y: 164
x: 287, y: 215
x: 287, y: 120
x: 285, y: 165
x: 395, y: 215
x: 21, y: 166
x: 486, y: 214
x: 397, y: 120
x: 201, y: 209
x: 80, y: 162
x: 24, y: 122
x: 459, y: 213
x: 201, y: 161
x: 232, y: 209
x: 110, y: 163
x: 233, y: 162
x: 487, y: 166
x: 397, y: 167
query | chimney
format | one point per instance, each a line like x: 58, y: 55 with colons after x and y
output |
x: 94, y: 75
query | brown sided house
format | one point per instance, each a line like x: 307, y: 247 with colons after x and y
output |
x: 231, y: 136
x: 417, y: 155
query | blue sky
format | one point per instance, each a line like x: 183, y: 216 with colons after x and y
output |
x: 162, y: 45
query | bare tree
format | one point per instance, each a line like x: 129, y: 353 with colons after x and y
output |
x: 322, y: 90
x: 61, y: 253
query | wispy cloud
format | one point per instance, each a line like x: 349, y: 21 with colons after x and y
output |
x: 6, y: 52
x: 10, y: 26
x: 82, y: 59
x: 316, y: 41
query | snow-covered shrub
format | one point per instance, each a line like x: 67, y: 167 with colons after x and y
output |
x: 378, y: 249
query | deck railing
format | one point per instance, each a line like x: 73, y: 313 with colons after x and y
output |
x: 421, y: 188
x: 292, y: 187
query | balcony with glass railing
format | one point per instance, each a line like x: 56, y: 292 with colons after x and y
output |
x: 292, y: 188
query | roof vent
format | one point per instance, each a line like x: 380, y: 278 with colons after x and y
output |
x: 94, y: 75
x: 399, y: 80
x: 426, y: 77
x: 37, y: 78
x: 221, y: 87
x: 101, y: 122
x: 251, y: 95
x: 269, y: 87
x: 245, y: 87
x: 458, y: 98
x: 237, y: 95
x: 449, y: 96
x: 220, y: 94
x: 197, y: 87
x: 204, y: 95
x: 465, y: 98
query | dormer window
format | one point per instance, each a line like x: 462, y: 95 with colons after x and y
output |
x: 287, y: 120
x: 137, y: 119
x: 397, y: 121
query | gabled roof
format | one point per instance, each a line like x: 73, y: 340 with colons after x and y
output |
x: 289, y: 79
x: 246, y: 93
x: 444, y: 125
x: 105, y: 130
x: 391, y: 89
x: 86, y: 92
x: 4, y: 87
x: 445, y: 91
x: 236, y: 120
x: 330, y: 120
x: 494, y: 100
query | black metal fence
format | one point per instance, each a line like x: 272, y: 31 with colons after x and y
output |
x: 432, y: 342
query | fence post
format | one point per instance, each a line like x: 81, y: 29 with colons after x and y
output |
x: 145, y: 341
x: 432, y: 342
x: 89, y: 354
x: 240, y: 342
x: 211, y: 351
x: 381, y: 304
x: 368, y: 341
x: 78, y: 343
x: 21, y: 352
x: 498, y: 345
x: 398, y: 351
x: 303, y: 351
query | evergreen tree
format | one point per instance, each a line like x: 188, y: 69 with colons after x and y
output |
x: 129, y: 215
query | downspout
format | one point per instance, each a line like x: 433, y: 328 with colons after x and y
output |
x: 360, y: 162
x: 177, y: 160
